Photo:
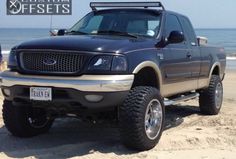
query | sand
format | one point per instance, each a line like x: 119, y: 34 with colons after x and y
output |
x: 188, y: 134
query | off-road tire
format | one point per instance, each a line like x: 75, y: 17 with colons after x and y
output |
x: 17, y: 122
x: 132, y: 118
x: 207, y: 100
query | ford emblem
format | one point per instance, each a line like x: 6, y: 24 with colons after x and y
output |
x: 49, y: 62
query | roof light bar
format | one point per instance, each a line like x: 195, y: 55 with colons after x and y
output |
x: 95, y: 5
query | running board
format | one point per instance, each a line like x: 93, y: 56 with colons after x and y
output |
x: 181, y: 99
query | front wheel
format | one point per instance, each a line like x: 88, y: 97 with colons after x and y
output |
x: 210, y: 99
x: 142, y: 118
x: 24, y: 121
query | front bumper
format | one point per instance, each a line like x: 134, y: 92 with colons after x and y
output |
x: 90, y: 83
x: 69, y: 90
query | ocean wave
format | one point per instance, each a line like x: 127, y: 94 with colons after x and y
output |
x: 231, y: 58
x: 5, y: 51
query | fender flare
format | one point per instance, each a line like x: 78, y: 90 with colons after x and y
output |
x: 216, y: 64
x: 154, y: 67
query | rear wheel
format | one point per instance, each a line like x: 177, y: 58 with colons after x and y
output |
x: 211, y: 99
x: 142, y: 118
x: 24, y: 121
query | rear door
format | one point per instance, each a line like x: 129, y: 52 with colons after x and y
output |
x: 175, y: 63
x: 193, y: 55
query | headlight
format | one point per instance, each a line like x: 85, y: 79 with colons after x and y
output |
x: 108, y: 63
x: 12, y: 61
x: 101, y: 63
x: 119, y: 63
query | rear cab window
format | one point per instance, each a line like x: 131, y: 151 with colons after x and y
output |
x: 188, y: 31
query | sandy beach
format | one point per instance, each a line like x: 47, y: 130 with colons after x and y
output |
x: 188, y: 134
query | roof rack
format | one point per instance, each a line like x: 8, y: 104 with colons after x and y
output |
x: 95, y: 5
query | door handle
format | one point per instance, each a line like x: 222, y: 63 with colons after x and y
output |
x: 189, y: 56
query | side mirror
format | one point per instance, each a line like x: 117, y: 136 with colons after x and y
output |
x: 60, y: 32
x: 176, y: 37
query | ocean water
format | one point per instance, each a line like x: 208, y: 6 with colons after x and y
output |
x: 11, y: 37
x: 218, y: 37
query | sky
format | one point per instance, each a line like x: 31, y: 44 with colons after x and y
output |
x: 202, y: 13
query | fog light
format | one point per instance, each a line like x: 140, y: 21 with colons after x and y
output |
x: 93, y: 98
x: 6, y: 92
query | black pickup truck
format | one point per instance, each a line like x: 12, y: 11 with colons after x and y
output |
x: 126, y: 62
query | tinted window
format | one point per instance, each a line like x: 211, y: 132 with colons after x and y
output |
x: 153, y: 24
x: 172, y: 24
x: 143, y: 26
x: 93, y: 24
x: 189, y: 32
x: 140, y: 27
x: 140, y: 23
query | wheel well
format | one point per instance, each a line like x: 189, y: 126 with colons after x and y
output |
x: 216, y: 71
x: 146, y: 77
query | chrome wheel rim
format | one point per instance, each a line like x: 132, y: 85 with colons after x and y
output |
x: 153, y: 119
x: 218, y: 95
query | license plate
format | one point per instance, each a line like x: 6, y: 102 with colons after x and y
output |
x: 40, y: 94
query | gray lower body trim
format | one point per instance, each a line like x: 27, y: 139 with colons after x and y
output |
x: 89, y: 83
x: 185, y: 86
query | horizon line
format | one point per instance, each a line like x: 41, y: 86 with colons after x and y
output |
x: 65, y: 27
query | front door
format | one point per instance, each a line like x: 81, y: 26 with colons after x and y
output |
x: 175, y: 64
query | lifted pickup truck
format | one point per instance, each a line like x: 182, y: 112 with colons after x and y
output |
x: 131, y: 59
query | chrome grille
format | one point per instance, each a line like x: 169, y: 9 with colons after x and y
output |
x: 51, y: 62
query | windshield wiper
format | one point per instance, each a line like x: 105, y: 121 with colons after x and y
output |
x: 76, y: 32
x: 117, y: 33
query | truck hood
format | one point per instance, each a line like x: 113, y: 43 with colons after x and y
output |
x: 90, y: 43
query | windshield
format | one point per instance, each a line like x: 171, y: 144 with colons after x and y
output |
x: 138, y: 23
